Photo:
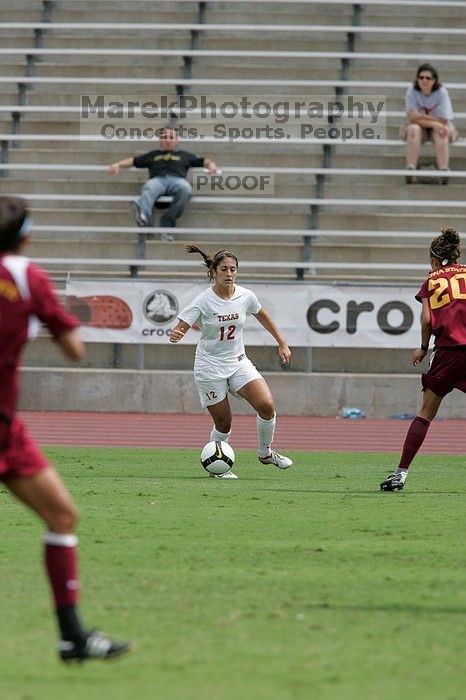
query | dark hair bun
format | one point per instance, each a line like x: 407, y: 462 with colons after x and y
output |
x: 450, y: 236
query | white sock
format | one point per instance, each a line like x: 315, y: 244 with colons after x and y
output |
x: 216, y: 435
x: 403, y: 473
x: 265, y: 431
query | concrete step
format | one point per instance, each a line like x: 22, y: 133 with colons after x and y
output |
x: 139, y: 67
x: 71, y: 122
x: 27, y: 12
x: 264, y: 42
x: 69, y: 93
x: 393, y: 221
x: 271, y: 69
x: 424, y: 45
x: 250, y: 250
x: 194, y: 218
x: 39, y: 95
x: 397, y: 252
x: 104, y: 184
x: 87, y: 154
x: 8, y: 94
x: 12, y: 66
x: 117, y: 248
x: 71, y: 64
x: 178, y: 39
x: 275, y: 13
x: 364, y: 188
x: 413, y: 16
x: 121, y: 13
x: 16, y: 38
x: 221, y: 151
x: 365, y: 70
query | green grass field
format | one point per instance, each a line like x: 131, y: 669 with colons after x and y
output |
x: 305, y: 584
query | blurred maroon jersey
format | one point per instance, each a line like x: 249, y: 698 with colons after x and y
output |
x: 445, y: 289
x: 27, y: 299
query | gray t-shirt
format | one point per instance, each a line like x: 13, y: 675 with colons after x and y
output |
x: 437, y: 104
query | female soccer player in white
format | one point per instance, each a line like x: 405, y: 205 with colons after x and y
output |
x: 221, y: 365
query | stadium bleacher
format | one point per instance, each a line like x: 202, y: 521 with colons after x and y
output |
x: 340, y: 211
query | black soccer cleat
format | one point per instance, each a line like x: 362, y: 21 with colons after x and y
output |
x: 95, y: 646
x: 394, y: 482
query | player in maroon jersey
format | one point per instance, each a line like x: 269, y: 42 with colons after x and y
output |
x: 26, y: 299
x: 443, y: 297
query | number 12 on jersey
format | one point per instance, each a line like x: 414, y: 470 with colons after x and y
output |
x: 227, y: 333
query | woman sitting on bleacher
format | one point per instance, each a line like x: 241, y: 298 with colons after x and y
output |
x: 430, y: 117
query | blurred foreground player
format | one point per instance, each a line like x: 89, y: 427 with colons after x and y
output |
x: 443, y: 297
x: 26, y: 299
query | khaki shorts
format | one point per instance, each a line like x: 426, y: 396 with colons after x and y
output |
x: 427, y: 133
x: 212, y: 391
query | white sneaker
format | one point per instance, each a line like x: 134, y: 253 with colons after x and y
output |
x: 227, y: 475
x: 139, y: 217
x: 278, y: 460
x: 409, y: 178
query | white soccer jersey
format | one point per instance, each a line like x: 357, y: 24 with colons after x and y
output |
x: 221, y: 321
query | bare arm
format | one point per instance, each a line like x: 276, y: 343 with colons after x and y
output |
x: 267, y: 321
x: 210, y: 165
x: 71, y: 345
x: 429, y: 122
x: 115, y: 168
x: 179, y: 331
x: 426, y: 331
x: 425, y: 119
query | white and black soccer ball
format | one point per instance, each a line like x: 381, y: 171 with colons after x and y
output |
x: 217, y: 457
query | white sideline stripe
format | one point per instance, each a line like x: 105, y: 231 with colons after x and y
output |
x: 193, y: 26
x: 232, y: 53
x: 248, y: 170
x: 143, y: 262
x: 285, y: 82
x: 60, y: 540
x: 254, y: 200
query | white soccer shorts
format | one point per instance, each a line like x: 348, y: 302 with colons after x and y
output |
x: 212, y: 391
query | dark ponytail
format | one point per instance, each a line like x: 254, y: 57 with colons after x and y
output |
x: 446, y: 247
x: 211, y: 263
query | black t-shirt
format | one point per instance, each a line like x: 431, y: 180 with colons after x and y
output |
x: 175, y: 163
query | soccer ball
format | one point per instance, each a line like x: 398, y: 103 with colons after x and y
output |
x: 217, y: 457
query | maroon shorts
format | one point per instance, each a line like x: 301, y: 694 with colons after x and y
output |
x: 19, y: 454
x: 447, y: 371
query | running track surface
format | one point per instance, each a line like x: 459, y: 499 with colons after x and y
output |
x: 191, y: 431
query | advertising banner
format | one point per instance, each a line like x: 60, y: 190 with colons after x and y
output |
x: 309, y: 315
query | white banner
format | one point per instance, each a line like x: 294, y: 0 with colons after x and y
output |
x: 309, y: 315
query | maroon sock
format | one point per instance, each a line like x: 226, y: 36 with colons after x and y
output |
x: 62, y: 567
x: 413, y: 441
